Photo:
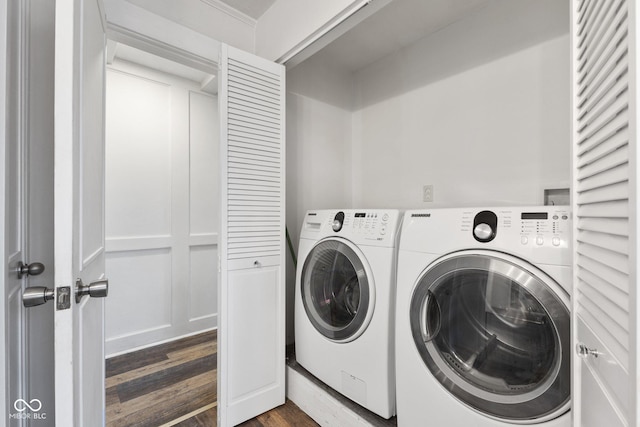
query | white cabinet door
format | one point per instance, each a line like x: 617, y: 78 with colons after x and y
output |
x: 251, y: 333
x: 605, y: 326
x: 79, y: 211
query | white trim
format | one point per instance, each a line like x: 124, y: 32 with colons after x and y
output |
x: 234, y: 13
x: 3, y: 133
x: 137, y: 27
x: 142, y: 347
x: 65, y: 72
x: 190, y: 415
x: 330, y: 31
x: 112, y: 47
x: 138, y: 243
x: 141, y: 332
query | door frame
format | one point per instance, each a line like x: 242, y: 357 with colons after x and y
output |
x: 13, y: 50
x: 3, y: 144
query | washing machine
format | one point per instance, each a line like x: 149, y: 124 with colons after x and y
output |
x: 483, y: 317
x: 344, y: 303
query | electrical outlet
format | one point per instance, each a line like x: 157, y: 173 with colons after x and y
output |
x: 427, y: 193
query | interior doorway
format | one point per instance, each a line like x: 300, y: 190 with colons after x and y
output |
x: 161, y: 212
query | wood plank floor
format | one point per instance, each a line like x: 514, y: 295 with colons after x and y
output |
x: 174, y: 384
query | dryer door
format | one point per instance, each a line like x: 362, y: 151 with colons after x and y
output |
x: 337, y: 289
x: 494, y: 331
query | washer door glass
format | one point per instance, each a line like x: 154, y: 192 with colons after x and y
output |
x: 335, y: 290
x: 495, y: 335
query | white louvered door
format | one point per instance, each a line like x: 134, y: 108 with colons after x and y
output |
x: 251, y: 332
x: 605, y: 321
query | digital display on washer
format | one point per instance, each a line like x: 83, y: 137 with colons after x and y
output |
x: 360, y: 215
x: 534, y: 215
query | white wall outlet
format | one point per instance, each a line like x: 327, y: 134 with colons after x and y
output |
x: 427, y: 193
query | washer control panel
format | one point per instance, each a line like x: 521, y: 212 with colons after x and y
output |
x: 372, y: 226
x: 366, y: 223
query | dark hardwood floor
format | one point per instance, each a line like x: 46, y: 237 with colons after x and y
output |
x: 174, y: 384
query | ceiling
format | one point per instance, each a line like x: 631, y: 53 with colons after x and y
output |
x: 396, y: 25
x: 251, y: 8
x: 191, y: 14
x: 194, y: 14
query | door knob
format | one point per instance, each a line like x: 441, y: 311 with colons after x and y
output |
x: 36, y: 295
x: 32, y: 269
x: 97, y: 289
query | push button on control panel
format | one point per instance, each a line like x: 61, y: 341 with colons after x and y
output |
x: 539, y: 240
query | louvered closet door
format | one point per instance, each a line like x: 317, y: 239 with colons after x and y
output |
x: 251, y: 334
x: 604, y: 294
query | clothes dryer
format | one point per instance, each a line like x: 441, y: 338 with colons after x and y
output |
x: 344, y: 301
x: 483, y: 320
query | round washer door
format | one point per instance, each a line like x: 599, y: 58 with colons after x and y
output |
x: 494, y: 331
x: 337, y: 289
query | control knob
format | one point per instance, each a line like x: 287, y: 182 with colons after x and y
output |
x: 338, y: 220
x: 483, y: 231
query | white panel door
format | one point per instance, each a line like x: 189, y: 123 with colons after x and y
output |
x: 251, y: 334
x: 604, y: 299
x: 79, y: 211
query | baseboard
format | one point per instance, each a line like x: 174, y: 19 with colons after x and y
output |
x: 157, y: 343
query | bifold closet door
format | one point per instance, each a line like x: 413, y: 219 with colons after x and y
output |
x: 604, y: 309
x: 251, y: 337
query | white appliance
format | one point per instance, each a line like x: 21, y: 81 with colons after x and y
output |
x: 344, y: 301
x: 482, y: 325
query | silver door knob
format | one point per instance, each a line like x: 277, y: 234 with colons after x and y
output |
x: 97, y: 289
x: 585, y: 352
x: 36, y: 295
x: 32, y: 269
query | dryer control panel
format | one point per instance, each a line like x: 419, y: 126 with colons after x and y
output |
x: 540, y: 233
x: 548, y: 226
x: 366, y: 226
x: 545, y: 228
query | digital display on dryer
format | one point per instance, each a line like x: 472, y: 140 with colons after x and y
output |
x: 534, y: 215
x: 360, y: 215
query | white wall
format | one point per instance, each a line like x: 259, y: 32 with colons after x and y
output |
x: 318, y: 148
x: 480, y: 110
x: 161, y: 208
